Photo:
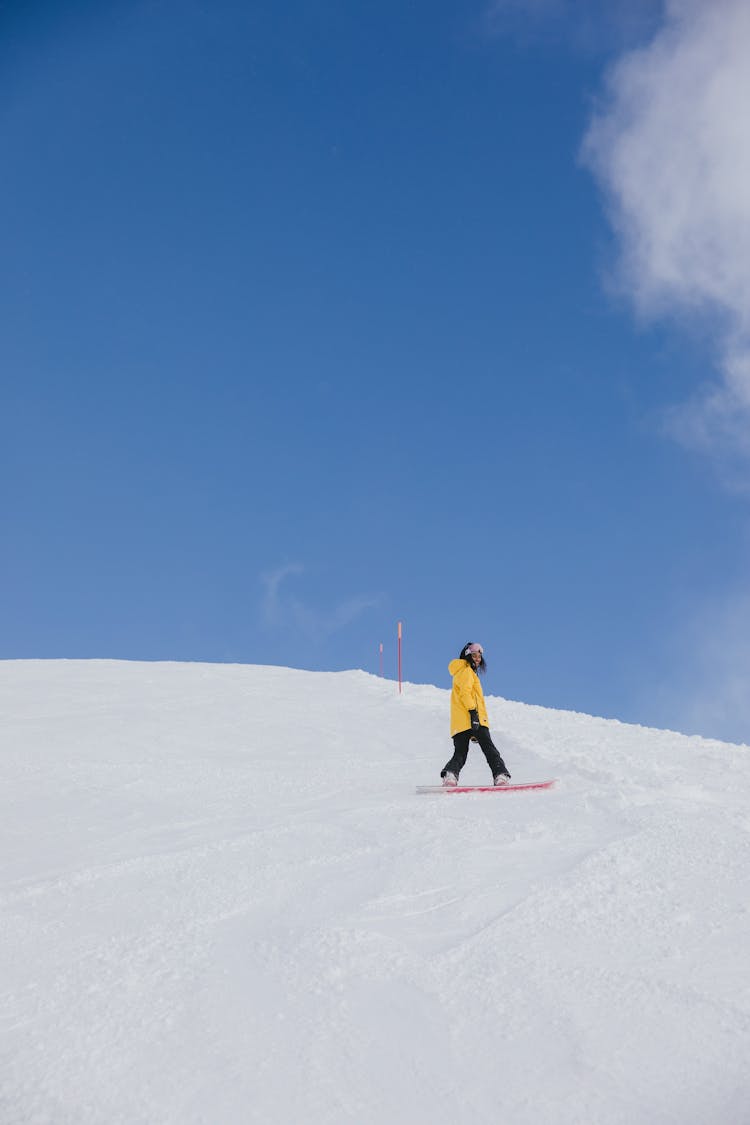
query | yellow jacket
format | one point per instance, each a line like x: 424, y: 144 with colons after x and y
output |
x: 467, y: 695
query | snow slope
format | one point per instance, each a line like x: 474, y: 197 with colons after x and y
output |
x: 224, y: 903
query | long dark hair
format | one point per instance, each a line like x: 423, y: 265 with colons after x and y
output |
x: 464, y: 655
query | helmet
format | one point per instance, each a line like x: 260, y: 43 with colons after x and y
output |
x: 470, y: 649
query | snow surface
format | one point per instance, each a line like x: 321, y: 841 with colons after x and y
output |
x: 223, y: 902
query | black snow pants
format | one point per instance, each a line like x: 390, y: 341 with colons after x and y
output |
x: 461, y: 750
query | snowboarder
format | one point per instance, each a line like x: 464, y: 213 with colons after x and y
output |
x: 469, y: 717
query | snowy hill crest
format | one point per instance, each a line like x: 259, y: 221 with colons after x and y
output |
x: 223, y: 902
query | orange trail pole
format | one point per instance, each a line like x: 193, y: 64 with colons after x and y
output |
x: 399, y: 658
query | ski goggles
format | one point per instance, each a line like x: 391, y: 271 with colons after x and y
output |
x: 474, y: 648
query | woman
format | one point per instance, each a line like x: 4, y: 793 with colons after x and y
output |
x: 469, y: 717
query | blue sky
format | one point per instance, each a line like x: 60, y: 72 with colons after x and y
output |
x: 318, y: 317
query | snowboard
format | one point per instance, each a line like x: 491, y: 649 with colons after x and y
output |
x: 513, y: 787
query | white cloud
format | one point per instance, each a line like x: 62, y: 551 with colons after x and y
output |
x: 671, y: 148
x: 271, y: 605
x: 284, y: 611
x: 709, y: 672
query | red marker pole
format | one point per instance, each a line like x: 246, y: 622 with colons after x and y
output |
x: 381, y: 660
x: 399, y: 657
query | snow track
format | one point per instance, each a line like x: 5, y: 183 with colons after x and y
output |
x: 209, y: 918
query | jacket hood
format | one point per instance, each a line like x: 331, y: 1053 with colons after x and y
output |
x: 456, y: 666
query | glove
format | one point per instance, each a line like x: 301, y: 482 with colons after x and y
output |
x: 474, y: 716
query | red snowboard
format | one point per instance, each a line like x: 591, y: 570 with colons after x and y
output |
x: 512, y: 788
